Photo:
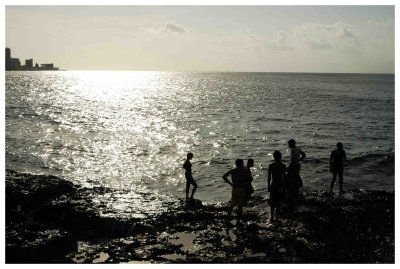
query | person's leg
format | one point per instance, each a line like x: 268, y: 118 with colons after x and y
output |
x: 333, y: 180
x: 272, y: 213
x: 194, y: 189
x: 278, y: 209
x: 341, y: 181
x: 187, y: 188
x: 299, y: 181
x: 230, y: 209
x: 239, y: 214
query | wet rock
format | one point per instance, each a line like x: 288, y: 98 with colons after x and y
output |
x: 32, y: 243
x: 52, y: 221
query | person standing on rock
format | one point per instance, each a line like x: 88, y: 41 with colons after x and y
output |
x: 336, y: 165
x: 188, y: 175
x: 276, y: 180
x: 249, y: 188
x: 294, y: 182
x: 240, y: 179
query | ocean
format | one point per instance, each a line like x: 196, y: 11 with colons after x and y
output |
x: 132, y: 130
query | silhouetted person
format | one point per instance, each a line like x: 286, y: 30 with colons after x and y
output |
x: 336, y: 165
x: 276, y: 180
x: 249, y: 188
x: 239, y: 181
x: 294, y: 180
x: 188, y: 175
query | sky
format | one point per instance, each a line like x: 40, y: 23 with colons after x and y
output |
x: 238, y: 38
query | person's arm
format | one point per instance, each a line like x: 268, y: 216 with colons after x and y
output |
x: 250, y: 177
x: 330, y: 161
x: 185, y: 165
x: 225, y: 177
x: 269, y: 177
x: 303, y: 155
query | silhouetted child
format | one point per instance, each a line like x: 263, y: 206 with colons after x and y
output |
x: 249, y: 188
x: 276, y: 174
x: 240, y: 179
x: 336, y: 165
x: 188, y: 175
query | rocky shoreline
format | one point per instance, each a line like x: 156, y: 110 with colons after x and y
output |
x: 50, y: 220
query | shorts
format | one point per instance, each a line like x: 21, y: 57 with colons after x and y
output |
x: 238, y: 197
x: 276, y: 197
x: 337, y: 169
x: 190, y: 180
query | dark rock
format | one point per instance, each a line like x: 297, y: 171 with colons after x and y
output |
x: 47, y: 218
x: 34, y: 244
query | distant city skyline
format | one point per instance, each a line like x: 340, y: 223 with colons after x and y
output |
x: 15, y: 64
x: 334, y: 39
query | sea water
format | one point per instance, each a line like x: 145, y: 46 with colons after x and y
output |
x: 132, y: 130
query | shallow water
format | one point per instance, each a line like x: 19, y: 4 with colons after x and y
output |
x: 132, y: 130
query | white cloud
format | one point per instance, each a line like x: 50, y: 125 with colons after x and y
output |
x: 168, y: 28
x: 379, y: 24
x: 321, y: 44
x: 345, y: 33
x: 230, y: 41
x: 339, y: 36
x: 280, y: 42
x: 171, y: 27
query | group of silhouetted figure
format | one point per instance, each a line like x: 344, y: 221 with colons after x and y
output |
x: 282, y: 181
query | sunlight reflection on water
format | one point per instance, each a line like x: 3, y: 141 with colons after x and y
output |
x: 130, y: 129
x: 113, y: 128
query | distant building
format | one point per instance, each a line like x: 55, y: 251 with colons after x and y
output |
x: 15, y: 64
x: 8, y: 59
x: 12, y: 63
x: 29, y: 64
x: 47, y: 66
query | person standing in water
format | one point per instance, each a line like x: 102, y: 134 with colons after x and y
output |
x: 188, y: 175
x: 336, y: 165
x: 294, y: 180
x: 276, y: 180
x: 239, y: 181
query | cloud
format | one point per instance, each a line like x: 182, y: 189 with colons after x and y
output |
x: 321, y: 44
x: 345, y: 33
x: 280, y: 42
x: 328, y: 36
x: 168, y: 28
x: 230, y: 41
x: 171, y: 27
x: 380, y: 24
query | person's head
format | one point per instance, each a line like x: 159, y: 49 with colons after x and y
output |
x: 250, y: 163
x: 239, y: 163
x: 339, y: 145
x: 189, y: 156
x: 277, y: 155
x: 292, y: 143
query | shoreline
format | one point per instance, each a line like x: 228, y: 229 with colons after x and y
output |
x: 50, y: 220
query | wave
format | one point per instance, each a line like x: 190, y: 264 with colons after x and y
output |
x: 316, y: 161
x: 374, y: 157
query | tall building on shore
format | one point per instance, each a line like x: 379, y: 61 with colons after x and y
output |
x: 8, y: 59
x: 12, y: 63
x: 29, y: 64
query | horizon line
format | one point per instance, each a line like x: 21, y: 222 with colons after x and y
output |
x: 202, y: 71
